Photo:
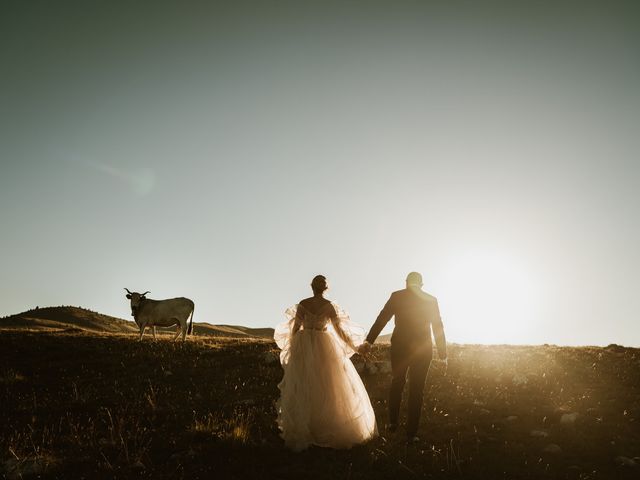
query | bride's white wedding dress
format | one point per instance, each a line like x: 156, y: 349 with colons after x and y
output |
x: 322, y: 398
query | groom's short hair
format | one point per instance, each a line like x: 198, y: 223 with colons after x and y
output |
x: 414, y: 278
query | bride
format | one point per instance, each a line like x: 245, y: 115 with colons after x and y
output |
x: 322, y: 399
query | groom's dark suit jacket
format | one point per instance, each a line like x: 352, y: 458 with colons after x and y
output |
x: 416, y: 313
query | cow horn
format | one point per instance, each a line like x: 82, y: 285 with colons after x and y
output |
x: 127, y: 290
x: 146, y: 293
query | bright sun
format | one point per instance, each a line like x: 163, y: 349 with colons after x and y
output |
x: 488, y: 297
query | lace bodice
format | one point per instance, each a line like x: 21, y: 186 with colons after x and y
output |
x: 329, y: 320
x: 316, y: 321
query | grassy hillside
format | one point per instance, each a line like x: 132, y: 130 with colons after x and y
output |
x: 233, y: 331
x: 69, y: 318
x: 92, y: 405
x: 65, y: 318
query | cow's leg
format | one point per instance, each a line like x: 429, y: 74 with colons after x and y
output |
x: 183, y: 325
x: 142, y: 327
x: 177, y: 332
x: 153, y: 329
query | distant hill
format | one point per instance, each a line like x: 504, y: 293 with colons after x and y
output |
x: 234, y: 331
x: 65, y: 318
x: 76, y: 318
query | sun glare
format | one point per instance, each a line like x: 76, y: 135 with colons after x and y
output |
x: 488, y: 297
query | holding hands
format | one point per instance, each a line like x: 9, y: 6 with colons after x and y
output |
x: 364, y: 349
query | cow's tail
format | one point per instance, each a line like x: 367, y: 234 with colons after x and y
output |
x: 191, y: 321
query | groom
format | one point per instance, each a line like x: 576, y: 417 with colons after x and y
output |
x: 416, y: 315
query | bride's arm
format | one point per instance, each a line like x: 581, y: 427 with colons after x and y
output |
x: 297, y: 322
x: 340, y: 331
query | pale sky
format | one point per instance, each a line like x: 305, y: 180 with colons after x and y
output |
x: 230, y: 153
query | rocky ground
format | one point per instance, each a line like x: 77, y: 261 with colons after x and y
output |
x: 81, y: 405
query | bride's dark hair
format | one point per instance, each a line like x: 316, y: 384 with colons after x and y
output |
x: 319, y: 284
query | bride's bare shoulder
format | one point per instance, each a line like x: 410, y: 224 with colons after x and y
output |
x: 306, y: 303
x: 312, y: 305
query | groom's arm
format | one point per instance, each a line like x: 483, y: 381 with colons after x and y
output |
x: 383, y: 318
x: 438, y: 331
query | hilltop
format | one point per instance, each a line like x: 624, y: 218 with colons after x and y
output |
x: 69, y: 318
x: 66, y: 318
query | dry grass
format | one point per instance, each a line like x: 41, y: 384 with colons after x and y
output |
x: 105, y: 406
x: 236, y: 428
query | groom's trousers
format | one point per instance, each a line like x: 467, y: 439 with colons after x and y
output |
x: 414, y: 360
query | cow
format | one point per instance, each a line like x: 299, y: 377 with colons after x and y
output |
x: 162, y: 313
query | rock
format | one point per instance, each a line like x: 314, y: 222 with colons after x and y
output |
x: 185, y: 454
x: 569, y: 419
x: 559, y: 411
x: 511, y: 418
x: 539, y: 434
x: 33, y: 466
x: 18, y: 469
x: 553, y: 449
x: 625, y: 462
x: 371, y: 368
x: 574, y: 471
x: 11, y: 467
x: 519, y: 379
x: 384, y: 367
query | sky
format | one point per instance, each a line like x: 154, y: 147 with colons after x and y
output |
x: 229, y: 152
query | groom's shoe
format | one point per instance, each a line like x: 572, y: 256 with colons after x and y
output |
x: 392, y: 427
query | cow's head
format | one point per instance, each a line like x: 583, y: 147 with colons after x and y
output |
x: 136, y: 299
